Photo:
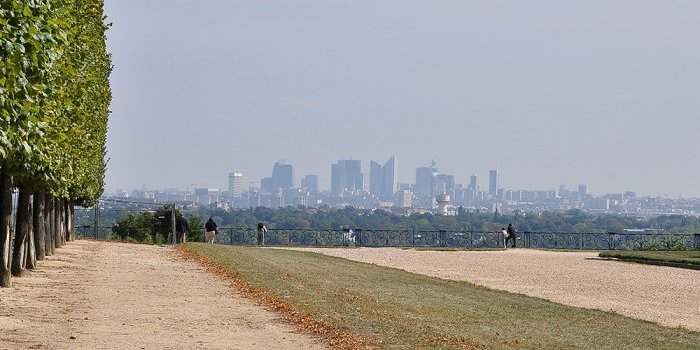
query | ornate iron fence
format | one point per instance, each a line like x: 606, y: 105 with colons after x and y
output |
x: 461, y: 239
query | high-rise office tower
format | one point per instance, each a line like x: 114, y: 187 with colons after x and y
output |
x: 424, y: 181
x: 309, y: 183
x: 382, y: 179
x: 472, y: 190
x: 493, y: 183
x: 206, y: 196
x: 444, y: 184
x: 267, y: 185
x: 235, y: 184
x: 473, y: 184
x: 582, y: 191
x: 376, y: 178
x: 346, y: 175
x: 282, y: 175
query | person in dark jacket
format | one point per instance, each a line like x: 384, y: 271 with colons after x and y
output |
x: 262, y: 230
x: 210, y: 228
x: 181, y: 228
x: 511, y: 235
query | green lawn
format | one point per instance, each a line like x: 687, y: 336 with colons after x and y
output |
x: 689, y: 257
x: 395, y: 309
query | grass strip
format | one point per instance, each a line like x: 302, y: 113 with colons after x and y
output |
x: 394, y: 309
x: 336, y: 338
x: 688, y: 259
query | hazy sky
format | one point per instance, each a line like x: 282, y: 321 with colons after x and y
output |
x: 603, y: 92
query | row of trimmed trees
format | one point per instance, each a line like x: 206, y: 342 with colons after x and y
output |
x: 54, y: 105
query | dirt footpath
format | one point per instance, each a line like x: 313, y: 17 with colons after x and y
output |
x: 669, y: 296
x: 127, y: 296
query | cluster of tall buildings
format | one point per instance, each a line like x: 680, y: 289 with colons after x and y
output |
x: 433, y: 191
x: 350, y: 185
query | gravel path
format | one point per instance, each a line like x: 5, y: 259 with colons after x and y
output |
x: 128, y: 296
x: 669, y: 296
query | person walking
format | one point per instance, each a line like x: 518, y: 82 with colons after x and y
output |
x: 511, y: 235
x: 262, y: 230
x: 210, y: 228
x: 181, y: 228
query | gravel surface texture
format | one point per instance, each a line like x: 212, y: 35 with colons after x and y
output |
x: 666, y: 295
x: 96, y: 295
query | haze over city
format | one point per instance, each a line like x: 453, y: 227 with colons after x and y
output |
x: 349, y: 174
x: 595, y: 92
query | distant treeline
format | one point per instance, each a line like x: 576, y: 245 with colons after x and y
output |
x: 155, y: 227
x: 569, y: 221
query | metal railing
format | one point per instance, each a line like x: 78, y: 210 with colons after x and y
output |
x: 461, y: 239
x: 469, y: 239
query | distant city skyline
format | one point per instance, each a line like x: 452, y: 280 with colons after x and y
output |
x: 353, y: 175
x: 323, y: 181
x: 595, y: 92
x: 433, y: 191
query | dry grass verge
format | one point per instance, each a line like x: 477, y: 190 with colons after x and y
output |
x: 394, y: 309
x: 684, y: 259
x: 305, y: 323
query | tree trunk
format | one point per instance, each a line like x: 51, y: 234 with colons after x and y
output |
x: 50, y: 248
x: 39, y: 228
x: 5, y: 217
x: 30, y: 252
x: 66, y: 222
x: 69, y: 221
x: 59, y: 223
x: 62, y: 221
x: 21, y: 232
x: 56, y: 226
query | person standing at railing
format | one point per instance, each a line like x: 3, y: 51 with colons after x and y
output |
x: 504, y: 236
x: 181, y: 228
x: 511, y: 235
x: 262, y: 230
x: 210, y: 229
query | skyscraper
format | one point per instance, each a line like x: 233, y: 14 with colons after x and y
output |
x: 346, y: 175
x: 444, y: 184
x: 376, y: 179
x: 309, y: 183
x: 282, y: 175
x: 206, y: 196
x: 235, y: 184
x: 493, y: 183
x: 267, y: 185
x: 582, y: 191
x: 424, y: 181
x: 382, y: 179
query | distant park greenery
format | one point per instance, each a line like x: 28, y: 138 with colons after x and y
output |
x: 54, y: 106
x: 569, y: 221
x: 155, y: 227
x: 140, y: 227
